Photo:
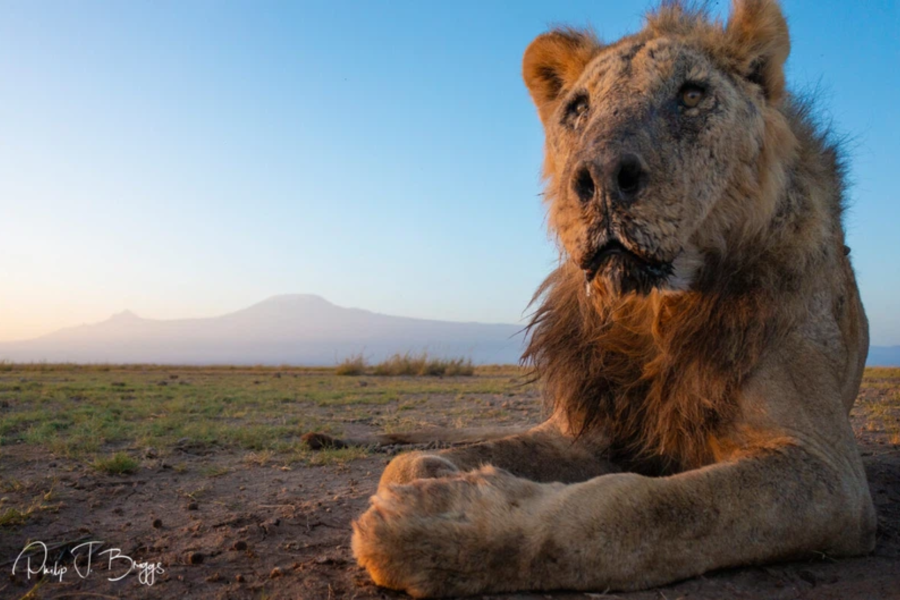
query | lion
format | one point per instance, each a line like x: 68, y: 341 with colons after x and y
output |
x: 700, y: 344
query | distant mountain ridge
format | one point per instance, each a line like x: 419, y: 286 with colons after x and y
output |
x: 297, y: 329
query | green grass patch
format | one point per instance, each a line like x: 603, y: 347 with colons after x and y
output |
x: 82, y: 412
x: 13, y: 516
x: 118, y: 464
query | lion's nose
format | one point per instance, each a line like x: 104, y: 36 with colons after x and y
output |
x: 628, y: 179
x: 621, y: 179
x: 583, y: 184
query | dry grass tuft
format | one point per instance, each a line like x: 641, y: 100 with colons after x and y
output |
x: 352, y: 365
x: 422, y: 364
x: 408, y: 364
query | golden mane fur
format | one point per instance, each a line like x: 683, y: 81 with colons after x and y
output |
x: 660, y: 374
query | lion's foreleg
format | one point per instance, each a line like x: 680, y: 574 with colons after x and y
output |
x: 487, y: 531
x: 544, y: 453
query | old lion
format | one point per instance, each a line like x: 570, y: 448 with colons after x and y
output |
x: 701, y: 343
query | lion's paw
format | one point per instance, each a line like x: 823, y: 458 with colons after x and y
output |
x: 406, y: 468
x: 452, y: 536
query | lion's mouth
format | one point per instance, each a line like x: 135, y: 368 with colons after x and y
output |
x: 593, y: 263
x: 629, y: 270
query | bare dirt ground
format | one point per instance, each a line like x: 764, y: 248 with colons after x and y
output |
x: 226, y: 522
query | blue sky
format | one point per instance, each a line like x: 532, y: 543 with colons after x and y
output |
x: 186, y: 159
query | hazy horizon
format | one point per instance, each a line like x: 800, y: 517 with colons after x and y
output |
x: 293, y: 329
x: 288, y: 329
x: 185, y: 160
x: 127, y: 312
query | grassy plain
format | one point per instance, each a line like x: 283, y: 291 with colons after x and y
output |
x: 878, y: 403
x: 103, y: 414
x: 204, y: 471
x: 94, y: 413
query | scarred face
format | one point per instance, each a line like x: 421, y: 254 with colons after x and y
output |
x: 645, y: 138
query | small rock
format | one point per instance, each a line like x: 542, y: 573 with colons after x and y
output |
x: 239, y: 578
x: 318, y: 441
x: 195, y: 558
x: 157, y: 523
x: 192, y: 506
x: 214, y: 578
x: 239, y: 545
x: 276, y: 572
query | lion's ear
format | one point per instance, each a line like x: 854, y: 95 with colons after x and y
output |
x: 552, y: 64
x: 758, y: 35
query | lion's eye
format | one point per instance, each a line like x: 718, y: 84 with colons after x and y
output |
x: 691, y: 95
x: 580, y: 107
x: 576, y: 109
